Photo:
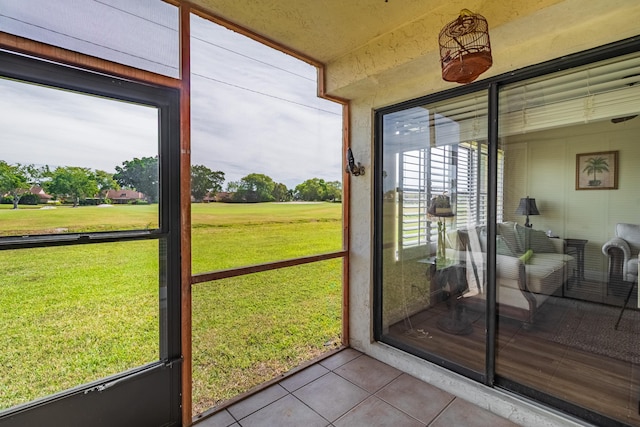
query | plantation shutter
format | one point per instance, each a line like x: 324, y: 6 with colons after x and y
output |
x: 468, y: 171
x: 441, y: 160
x: 414, y: 199
x: 459, y: 170
x: 473, y: 185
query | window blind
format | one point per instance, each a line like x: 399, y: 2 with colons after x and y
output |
x: 438, y: 152
x: 592, y: 93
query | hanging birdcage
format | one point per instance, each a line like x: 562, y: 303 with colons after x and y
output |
x: 465, y: 51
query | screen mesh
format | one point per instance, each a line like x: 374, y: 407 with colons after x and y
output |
x: 142, y: 33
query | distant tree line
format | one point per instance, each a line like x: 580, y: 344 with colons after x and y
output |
x: 74, y: 185
x: 257, y: 187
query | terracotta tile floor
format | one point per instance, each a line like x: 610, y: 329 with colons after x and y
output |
x: 352, y: 389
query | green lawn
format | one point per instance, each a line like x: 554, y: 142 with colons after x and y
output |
x: 227, y: 235
x: 249, y: 329
x: 69, y: 315
x: 66, y: 219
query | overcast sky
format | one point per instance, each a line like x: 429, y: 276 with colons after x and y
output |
x: 254, y: 109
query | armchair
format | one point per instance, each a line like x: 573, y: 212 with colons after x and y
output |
x: 622, y: 251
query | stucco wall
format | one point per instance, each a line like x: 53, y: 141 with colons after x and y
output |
x: 404, y: 64
x: 584, y: 25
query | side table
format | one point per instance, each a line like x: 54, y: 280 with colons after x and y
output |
x: 452, y: 280
x: 576, y: 247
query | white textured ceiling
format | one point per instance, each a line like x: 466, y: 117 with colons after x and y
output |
x: 321, y: 29
x: 328, y: 29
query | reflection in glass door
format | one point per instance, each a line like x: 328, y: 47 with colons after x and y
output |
x: 433, y: 211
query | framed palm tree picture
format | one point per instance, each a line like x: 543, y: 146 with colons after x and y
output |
x: 597, y: 171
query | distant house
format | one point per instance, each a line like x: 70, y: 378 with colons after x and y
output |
x: 39, y: 191
x: 221, y: 196
x: 124, y: 196
x: 209, y: 197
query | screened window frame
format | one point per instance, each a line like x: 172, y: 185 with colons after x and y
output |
x: 45, y: 52
x: 167, y: 101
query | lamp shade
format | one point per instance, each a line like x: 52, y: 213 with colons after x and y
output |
x: 527, y: 207
x: 440, y: 206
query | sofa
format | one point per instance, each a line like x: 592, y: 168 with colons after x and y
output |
x: 530, y: 267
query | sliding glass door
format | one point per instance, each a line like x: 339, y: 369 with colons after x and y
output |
x: 507, y: 233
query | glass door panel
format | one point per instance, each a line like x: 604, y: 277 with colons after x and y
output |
x: 432, y: 241
x: 75, y: 314
x: 570, y: 147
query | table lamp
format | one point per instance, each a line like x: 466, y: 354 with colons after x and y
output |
x: 527, y: 207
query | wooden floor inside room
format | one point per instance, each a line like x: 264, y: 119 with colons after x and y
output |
x: 602, y: 383
x: 572, y: 352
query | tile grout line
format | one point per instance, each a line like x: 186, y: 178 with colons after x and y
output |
x: 404, y: 412
x: 401, y: 410
x: 352, y: 383
x: 371, y: 394
x: 262, y: 407
x: 355, y: 406
x: 442, y: 411
x: 347, y: 379
x: 329, y: 370
x: 314, y: 411
x: 304, y: 403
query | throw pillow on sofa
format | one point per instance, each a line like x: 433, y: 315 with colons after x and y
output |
x: 502, y: 248
x: 535, y: 240
x: 508, y: 232
x: 525, y: 257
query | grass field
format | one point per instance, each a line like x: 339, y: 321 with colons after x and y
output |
x: 229, y: 235
x: 69, y: 315
x: 36, y: 220
x: 249, y: 329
